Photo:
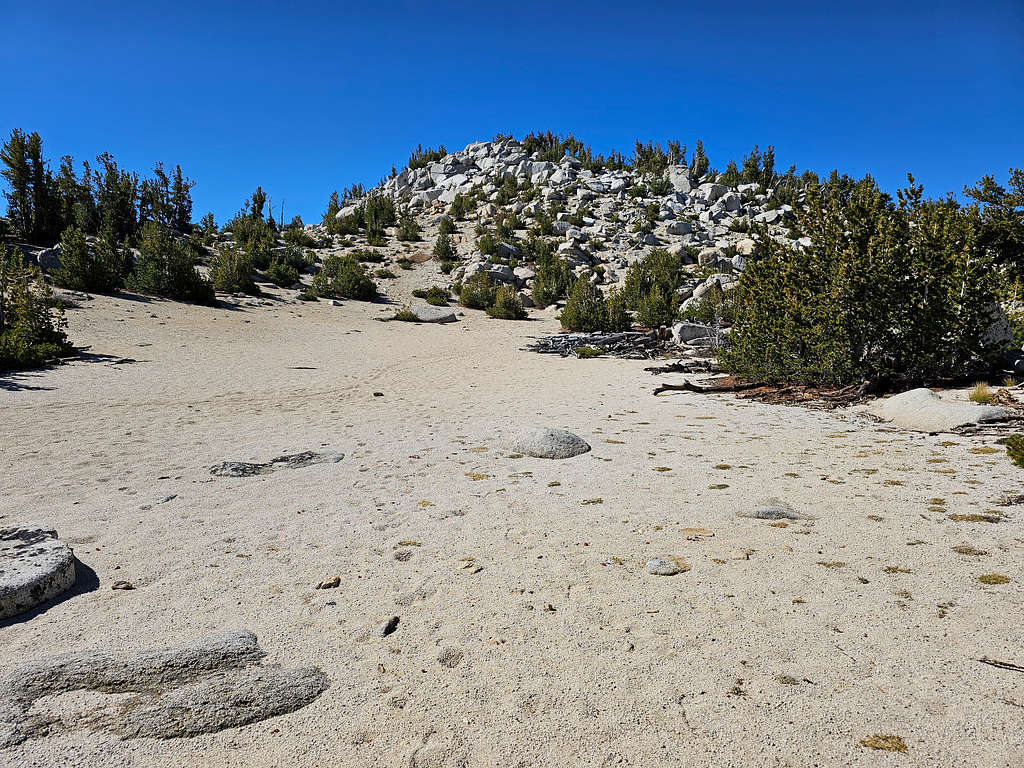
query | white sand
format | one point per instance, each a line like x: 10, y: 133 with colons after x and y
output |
x: 627, y: 669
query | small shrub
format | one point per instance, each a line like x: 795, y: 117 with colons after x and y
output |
x: 300, y: 237
x: 406, y: 315
x: 231, y: 271
x: 507, y: 305
x: 1015, y: 449
x: 408, y: 227
x: 343, y: 277
x: 100, y: 269
x: 588, y: 352
x: 308, y: 295
x: 585, y: 310
x: 656, y: 309
x: 368, y: 255
x: 281, y: 273
x: 404, y: 263
x: 385, y: 274
x: 448, y: 266
x: 167, y: 267
x: 443, y: 247
x: 477, y: 292
x: 31, y: 333
x: 994, y: 578
x: 447, y: 226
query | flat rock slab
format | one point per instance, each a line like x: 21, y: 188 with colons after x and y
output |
x: 427, y: 313
x: 34, y: 567
x: 925, y: 411
x: 667, y: 565
x: 548, y: 443
x: 291, y: 461
x: 214, y: 683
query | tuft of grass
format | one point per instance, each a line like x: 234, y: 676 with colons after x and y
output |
x: 895, y: 569
x: 984, y: 449
x: 831, y: 563
x: 406, y: 315
x: 718, y: 487
x: 982, y: 393
x: 787, y: 680
x: 994, y: 578
x: 723, y: 466
x: 967, y: 549
x: 588, y: 352
x: 976, y: 517
x: 554, y: 484
x: 663, y: 469
x: 886, y: 742
x: 476, y: 475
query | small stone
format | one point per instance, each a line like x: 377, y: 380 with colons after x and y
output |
x: 169, y: 497
x: 389, y: 626
x: 667, y: 565
x: 331, y: 583
x: 122, y: 585
x: 450, y: 657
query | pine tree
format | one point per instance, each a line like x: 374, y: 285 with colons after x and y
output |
x: 181, y: 201
x: 700, y: 163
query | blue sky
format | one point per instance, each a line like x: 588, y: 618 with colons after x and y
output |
x: 307, y: 97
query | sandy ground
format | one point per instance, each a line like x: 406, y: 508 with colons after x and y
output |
x: 572, y: 654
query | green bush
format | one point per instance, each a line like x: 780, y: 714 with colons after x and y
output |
x: 368, y: 255
x: 167, y: 267
x: 101, y: 269
x: 342, y: 277
x: 477, y: 292
x: 552, y: 281
x: 434, y: 295
x: 404, y: 263
x: 408, y: 227
x: 657, y: 271
x: 406, y: 315
x: 281, y: 273
x: 300, y: 237
x: 618, y: 318
x: 254, y: 236
x: 656, y: 309
x: 385, y: 274
x: 447, y: 226
x: 1015, y: 449
x: 31, y: 333
x: 893, y: 294
x: 378, y: 213
x: 507, y: 304
x: 714, y: 308
x: 231, y: 271
x: 448, y: 266
x: 585, y: 311
x: 443, y: 248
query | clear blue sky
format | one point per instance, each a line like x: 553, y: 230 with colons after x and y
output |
x: 307, y: 97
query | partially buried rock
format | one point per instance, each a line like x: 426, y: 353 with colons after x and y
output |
x: 332, y: 583
x: 773, y: 509
x: 548, y: 443
x: 425, y: 313
x: 34, y: 567
x: 388, y: 626
x: 213, y: 683
x: 667, y: 565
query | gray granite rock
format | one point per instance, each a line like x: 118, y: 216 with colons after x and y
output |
x: 34, y: 567
x: 548, y: 443
x: 214, y: 683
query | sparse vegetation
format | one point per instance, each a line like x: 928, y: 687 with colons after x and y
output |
x: 507, y: 304
x: 342, y: 277
x: 32, y: 333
